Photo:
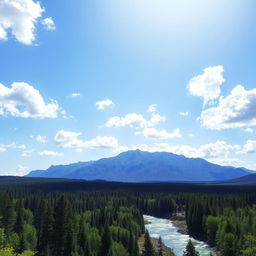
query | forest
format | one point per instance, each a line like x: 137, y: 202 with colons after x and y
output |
x: 75, y: 218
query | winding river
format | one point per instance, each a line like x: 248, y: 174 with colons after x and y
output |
x: 172, y: 238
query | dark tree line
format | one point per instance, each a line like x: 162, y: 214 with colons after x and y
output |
x: 52, y: 227
x: 98, y: 218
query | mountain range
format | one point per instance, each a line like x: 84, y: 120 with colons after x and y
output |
x: 141, y: 166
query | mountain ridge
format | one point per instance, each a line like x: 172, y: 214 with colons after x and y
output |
x: 143, y: 166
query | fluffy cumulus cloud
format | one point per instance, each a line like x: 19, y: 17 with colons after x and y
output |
x: 20, y: 18
x: 207, y: 85
x: 137, y: 121
x: 23, y: 100
x: 152, y: 108
x: 216, y: 150
x: 50, y: 153
x: 2, y: 148
x: 103, y: 104
x: 153, y: 133
x: 27, y: 153
x: 68, y: 139
x: 248, y: 130
x: 219, y: 152
x: 249, y: 147
x: 41, y: 139
x: 235, y: 110
x: 13, y: 145
x: 48, y: 23
x: 20, y: 170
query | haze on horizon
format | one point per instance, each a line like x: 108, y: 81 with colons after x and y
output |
x: 82, y: 80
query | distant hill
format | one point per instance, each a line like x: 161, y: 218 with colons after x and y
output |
x: 140, y: 166
x: 249, y: 180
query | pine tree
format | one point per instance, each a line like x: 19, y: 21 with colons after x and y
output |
x: 148, y: 246
x: 106, y: 242
x: 62, y: 237
x: 190, y: 250
x: 83, y: 242
x: 46, y: 232
x: 8, y: 214
x: 160, y: 247
x: 18, y: 228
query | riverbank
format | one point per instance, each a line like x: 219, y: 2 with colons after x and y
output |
x: 166, y: 250
x: 179, y: 221
x: 172, y: 238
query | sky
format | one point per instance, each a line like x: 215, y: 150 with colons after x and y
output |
x: 81, y: 80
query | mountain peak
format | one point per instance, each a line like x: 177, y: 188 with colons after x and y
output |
x: 143, y: 166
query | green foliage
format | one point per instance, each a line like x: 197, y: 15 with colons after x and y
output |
x: 249, y: 247
x: 10, y: 252
x: 106, y: 242
x: 160, y: 247
x: 148, y: 249
x: 190, y: 250
x: 211, y: 224
x: 35, y: 217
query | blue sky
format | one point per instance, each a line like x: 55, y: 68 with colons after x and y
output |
x: 81, y: 80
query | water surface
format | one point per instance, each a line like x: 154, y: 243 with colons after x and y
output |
x: 172, y: 238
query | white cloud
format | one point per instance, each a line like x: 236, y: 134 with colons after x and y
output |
x: 75, y: 94
x: 101, y: 105
x: 160, y: 134
x: 48, y: 23
x: 219, y: 152
x: 23, y: 100
x: 249, y: 147
x: 236, y: 110
x: 152, y: 108
x: 50, y: 153
x: 27, y: 153
x: 20, y: 170
x: 68, y: 139
x: 207, y: 85
x: 134, y: 120
x: 248, y: 130
x: 13, y: 145
x: 2, y: 148
x: 155, y: 119
x: 101, y: 142
x: 20, y: 17
x: 218, y: 149
x: 183, y: 113
x: 41, y: 139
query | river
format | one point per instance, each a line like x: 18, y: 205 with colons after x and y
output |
x: 172, y: 238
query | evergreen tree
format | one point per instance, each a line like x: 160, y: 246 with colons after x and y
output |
x: 46, y: 233
x: 8, y: 214
x: 148, y: 249
x: 190, y: 250
x: 83, y: 242
x: 160, y: 247
x: 20, y: 218
x: 106, y: 242
x: 61, y: 228
x: 249, y: 246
